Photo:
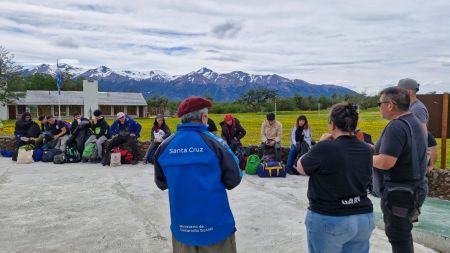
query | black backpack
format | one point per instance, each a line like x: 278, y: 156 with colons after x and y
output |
x: 72, y: 155
x: 50, y: 154
x: 34, y: 131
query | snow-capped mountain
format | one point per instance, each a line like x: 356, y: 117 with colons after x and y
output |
x: 203, y: 82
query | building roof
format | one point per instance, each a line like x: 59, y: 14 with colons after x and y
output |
x: 42, y: 97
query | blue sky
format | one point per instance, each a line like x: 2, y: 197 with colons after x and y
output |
x: 362, y: 45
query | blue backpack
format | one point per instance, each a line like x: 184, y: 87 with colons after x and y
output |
x: 7, y: 153
x: 37, y: 154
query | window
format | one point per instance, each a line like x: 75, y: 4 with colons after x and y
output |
x: 131, y: 110
x: 118, y: 108
x: 106, y: 109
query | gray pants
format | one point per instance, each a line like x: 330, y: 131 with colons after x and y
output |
x: 99, y: 144
x: 226, y: 246
x: 61, y: 143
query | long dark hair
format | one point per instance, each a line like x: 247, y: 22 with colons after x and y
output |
x: 25, y: 114
x: 344, y: 116
x: 302, y: 117
x: 155, y: 123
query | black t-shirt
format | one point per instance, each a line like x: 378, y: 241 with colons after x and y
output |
x: 340, y: 172
x: 396, y: 141
x: 431, y: 140
x: 211, y: 126
x: 55, y: 129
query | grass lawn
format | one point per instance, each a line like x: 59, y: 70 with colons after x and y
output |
x: 370, y: 122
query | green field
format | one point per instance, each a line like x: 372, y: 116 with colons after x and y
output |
x: 370, y: 122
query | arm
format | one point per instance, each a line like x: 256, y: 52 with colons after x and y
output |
x: 293, y: 135
x: 242, y: 132
x: 167, y: 132
x: 114, y: 129
x: 263, y: 135
x: 160, y: 178
x: 433, y: 157
x: 63, y: 132
x: 384, y: 162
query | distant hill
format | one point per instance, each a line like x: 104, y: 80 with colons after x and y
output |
x: 222, y: 87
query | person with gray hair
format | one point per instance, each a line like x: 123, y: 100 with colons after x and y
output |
x: 400, y: 163
x: 197, y: 168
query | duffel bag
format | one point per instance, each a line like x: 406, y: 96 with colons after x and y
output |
x: 271, y: 169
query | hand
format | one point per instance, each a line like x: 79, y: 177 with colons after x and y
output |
x: 326, y: 136
x: 430, y: 167
x: 132, y: 135
x: 94, y: 140
x: 235, y: 138
x: 55, y: 137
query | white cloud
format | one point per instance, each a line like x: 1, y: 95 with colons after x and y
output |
x: 364, y: 45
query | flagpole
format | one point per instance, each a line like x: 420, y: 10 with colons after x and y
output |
x: 59, y: 92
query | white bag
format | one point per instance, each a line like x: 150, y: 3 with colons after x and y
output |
x: 115, y: 159
x: 159, y: 135
x: 24, y: 156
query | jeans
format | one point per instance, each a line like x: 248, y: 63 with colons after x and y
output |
x: 333, y: 234
x: 291, y: 157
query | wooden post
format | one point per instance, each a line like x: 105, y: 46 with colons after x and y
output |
x: 444, y: 131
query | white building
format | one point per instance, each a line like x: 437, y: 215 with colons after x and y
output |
x: 41, y: 102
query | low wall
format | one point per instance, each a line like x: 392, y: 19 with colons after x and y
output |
x: 438, y: 180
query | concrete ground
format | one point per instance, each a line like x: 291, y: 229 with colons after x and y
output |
x: 89, y: 208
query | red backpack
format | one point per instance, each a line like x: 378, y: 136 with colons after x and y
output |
x: 127, y: 156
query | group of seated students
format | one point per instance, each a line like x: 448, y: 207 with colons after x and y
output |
x: 58, y: 134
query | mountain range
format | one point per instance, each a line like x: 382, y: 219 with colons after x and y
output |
x: 222, y: 87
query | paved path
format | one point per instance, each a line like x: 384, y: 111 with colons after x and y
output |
x: 90, y: 208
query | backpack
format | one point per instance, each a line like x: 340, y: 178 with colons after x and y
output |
x: 126, y: 156
x: 271, y: 169
x: 50, y: 154
x: 37, y: 154
x: 89, y: 151
x: 242, y: 154
x: 68, y: 125
x: 59, y: 158
x: 252, y: 164
x: 7, y: 153
x: 72, y: 155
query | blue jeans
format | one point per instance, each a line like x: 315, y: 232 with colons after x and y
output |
x: 291, y: 157
x: 333, y: 234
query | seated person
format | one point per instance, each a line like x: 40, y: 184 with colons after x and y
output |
x: 125, y: 130
x: 21, y: 129
x: 100, y: 128
x: 80, y: 131
x: 271, y: 132
x: 301, y: 135
x: 160, y: 131
x: 58, y: 132
x: 232, y: 132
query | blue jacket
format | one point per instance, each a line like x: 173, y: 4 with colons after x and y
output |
x: 197, y: 166
x: 130, y: 125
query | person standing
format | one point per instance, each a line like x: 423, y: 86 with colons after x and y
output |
x: 416, y: 106
x: 100, y: 128
x: 340, y: 215
x: 232, y: 132
x: 271, y: 133
x: 401, y: 160
x: 159, y: 132
x: 197, y: 168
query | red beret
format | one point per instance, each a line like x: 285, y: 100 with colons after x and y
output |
x: 192, y: 104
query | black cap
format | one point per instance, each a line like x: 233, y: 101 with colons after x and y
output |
x: 97, y: 113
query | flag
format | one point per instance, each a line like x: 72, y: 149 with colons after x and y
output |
x: 58, y: 78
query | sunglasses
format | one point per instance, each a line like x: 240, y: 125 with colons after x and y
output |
x: 385, y: 102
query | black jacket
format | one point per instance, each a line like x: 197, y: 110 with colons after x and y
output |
x: 84, y: 126
x: 103, y: 128
x: 236, y: 131
x: 22, y: 127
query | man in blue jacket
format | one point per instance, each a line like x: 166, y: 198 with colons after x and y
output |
x: 197, y: 167
x: 125, y: 130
